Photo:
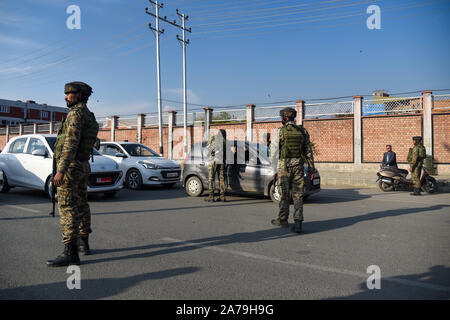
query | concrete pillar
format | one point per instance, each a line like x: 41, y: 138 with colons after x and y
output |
x: 114, y: 122
x: 140, y: 125
x: 207, y: 123
x: 20, y: 129
x: 7, y: 133
x: 35, y: 128
x: 51, y: 127
x: 357, y: 129
x: 427, y: 100
x: 250, y: 120
x: 172, y: 123
x: 300, y: 107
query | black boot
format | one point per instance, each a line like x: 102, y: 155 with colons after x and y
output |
x: 83, y: 245
x: 67, y: 258
x: 416, y: 192
x: 297, y: 228
x: 280, y: 223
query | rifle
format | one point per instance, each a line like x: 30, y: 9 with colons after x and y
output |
x: 53, y: 186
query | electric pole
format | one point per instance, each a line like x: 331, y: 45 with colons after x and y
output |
x: 158, y: 74
x: 184, y: 42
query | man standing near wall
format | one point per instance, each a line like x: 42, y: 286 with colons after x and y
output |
x: 415, y: 159
x: 73, y: 148
x: 294, y: 149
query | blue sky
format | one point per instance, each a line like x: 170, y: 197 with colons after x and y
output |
x: 240, y: 52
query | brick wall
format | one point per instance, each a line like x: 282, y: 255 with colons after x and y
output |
x: 441, y: 137
x: 378, y: 131
x: 333, y: 139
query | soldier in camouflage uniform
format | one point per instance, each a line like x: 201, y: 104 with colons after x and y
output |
x: 216, y: 147
x: 293, y: 148
x: 73, y: 148
x: 415, y: 160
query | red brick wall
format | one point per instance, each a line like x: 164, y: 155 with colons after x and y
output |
x: 378, y: 131
x: 441, y: 138
x: 332, y: 138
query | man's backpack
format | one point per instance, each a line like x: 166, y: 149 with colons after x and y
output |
x: 422, y: 153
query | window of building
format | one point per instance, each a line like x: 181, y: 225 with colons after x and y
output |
x: 44, y: 114
x: 4, y: 109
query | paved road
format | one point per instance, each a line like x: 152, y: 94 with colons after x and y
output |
x: 160, y: 244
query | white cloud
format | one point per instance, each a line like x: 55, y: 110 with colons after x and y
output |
x: 16, y: 41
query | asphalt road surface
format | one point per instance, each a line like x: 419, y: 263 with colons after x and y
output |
x: 158, y: 243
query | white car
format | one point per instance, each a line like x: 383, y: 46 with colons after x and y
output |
x: 141, y: 165
x: 26, y: 161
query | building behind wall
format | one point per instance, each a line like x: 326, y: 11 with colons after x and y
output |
x: 15, y: 112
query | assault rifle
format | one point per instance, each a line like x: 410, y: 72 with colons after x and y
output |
x: 53, y: 191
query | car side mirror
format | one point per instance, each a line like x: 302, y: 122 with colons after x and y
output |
x: 120, y: 155
x: 40, y: 152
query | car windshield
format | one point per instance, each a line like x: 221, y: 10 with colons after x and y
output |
x: 52, y: 140
x: 139, y: 150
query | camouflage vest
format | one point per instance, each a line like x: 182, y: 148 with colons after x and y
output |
x: 294, y: 139
x: 88, y: 138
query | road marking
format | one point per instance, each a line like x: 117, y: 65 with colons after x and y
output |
x: 22, y: 208
x: 309, y: 265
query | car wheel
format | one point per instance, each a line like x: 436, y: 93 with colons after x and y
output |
x: 385, y: 186
x: 194, y: 186
x: 134, y: 179
x: 274, y: 193
x: 4, y: 186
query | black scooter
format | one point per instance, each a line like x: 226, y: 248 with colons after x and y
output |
x: 391, y: 179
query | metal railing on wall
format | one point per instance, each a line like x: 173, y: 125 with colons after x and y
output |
x: 393, y: 105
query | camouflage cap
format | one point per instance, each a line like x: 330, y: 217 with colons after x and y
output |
x: 417, y: 138
x: 288, y: 113
x: 78, y: 87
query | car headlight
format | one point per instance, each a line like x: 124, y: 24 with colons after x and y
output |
x: 148, y: 165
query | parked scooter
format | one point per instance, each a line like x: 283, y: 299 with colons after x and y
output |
x: 391, y: 179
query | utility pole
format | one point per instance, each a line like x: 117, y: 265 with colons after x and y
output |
x: 157, y: 32
x: 184, y: 43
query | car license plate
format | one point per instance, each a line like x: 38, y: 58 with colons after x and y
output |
x: 104, y: 180
x: 172, y: 174
x: 316, y: 182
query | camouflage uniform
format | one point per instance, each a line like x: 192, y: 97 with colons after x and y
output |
x: 74, y: 211
x: 294, y: 149
x: 216, y: 147
x: 416, y: 164
x: 73, y: 148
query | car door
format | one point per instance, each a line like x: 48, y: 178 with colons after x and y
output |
x: 252, y: 175
x: 15, y: 161
x: 110, y: 151
x: 37, y: 167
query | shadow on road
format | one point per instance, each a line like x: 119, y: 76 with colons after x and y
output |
x: 176, y: 247
x: 336, y: 195
x: 331, y: 224
x: 427, y: 285
x: 91, y: 289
